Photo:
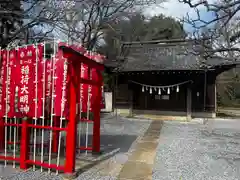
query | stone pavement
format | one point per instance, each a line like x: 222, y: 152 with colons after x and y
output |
x: 140, y: 163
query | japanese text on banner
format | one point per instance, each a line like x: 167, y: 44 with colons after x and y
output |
x: 40, y: 79
x: 60, y: 103
x: 11, y: 83
x: 26, y: 91
x: 3, y: 82
x: 7, y: 83
x: 48, y: 84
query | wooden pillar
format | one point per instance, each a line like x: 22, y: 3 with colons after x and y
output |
x: 130, y: 99
x: 211, y: 94
x: 114, y: 105
x: 189, y: 103
x: 130, y: 103
x: 205, y: 91
x: 72, y: 126
x: 145, y: 101
x: 96, y: 124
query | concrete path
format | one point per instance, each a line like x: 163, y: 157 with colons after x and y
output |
x: 140, y: 163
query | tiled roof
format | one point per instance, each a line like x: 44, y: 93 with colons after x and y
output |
x: 165, y: 56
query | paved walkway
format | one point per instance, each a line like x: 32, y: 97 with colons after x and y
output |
x: 140, y: 163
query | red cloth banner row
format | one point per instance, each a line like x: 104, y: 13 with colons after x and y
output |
x: 26, y: 82
x: 88, y: 92
x: 29, y: 83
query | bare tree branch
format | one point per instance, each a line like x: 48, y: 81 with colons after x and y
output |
x: 17, y: 16
x: 90, y: 24
x: 221, y: 32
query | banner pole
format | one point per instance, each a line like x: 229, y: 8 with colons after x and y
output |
x: 6, y: 106
x: 52, y: 103
x: 88, y: 109
x: 43, y: 103
x: 62, y: 109
x: 80, y: 109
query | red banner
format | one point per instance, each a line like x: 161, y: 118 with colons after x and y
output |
x: 94, y: 88
x: 98, y: 58
x: 39, y: 78
x: 8, y: 87
x: 27, y: 56
x: 12, y: 86
x: 84, y: 88
x: 4, y: 55
x: 1, y: 87
x: 48, y: 85
x: 60, y: 103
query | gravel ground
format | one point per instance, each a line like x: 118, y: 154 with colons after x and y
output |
x: 189, y: 151
x: 121, y: 133
x: 117, y: 134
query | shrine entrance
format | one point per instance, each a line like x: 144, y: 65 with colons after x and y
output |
x: 49, y: 94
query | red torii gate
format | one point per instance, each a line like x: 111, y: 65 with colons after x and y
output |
x: 76, y: 59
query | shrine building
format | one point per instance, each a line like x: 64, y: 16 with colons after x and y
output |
x: 166, y: 78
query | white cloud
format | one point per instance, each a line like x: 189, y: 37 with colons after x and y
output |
x: 171, y: 8
x: 175, y: 9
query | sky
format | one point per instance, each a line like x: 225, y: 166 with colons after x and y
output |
x: 178, y: 10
